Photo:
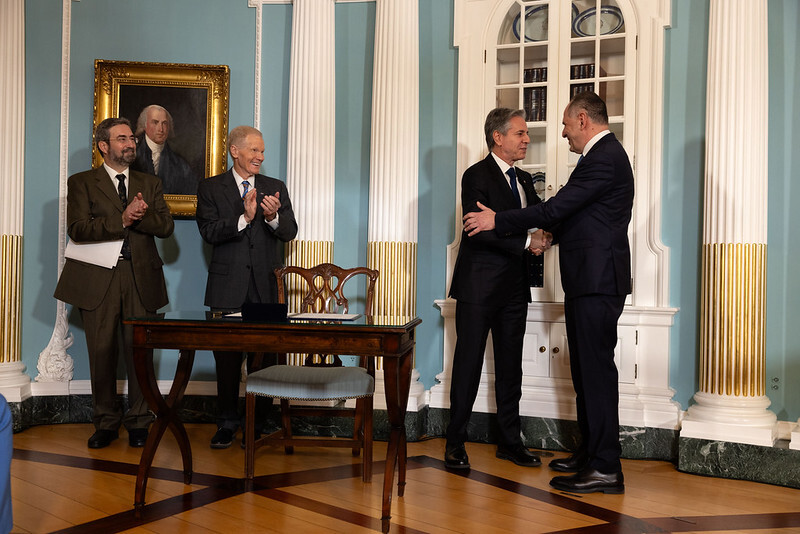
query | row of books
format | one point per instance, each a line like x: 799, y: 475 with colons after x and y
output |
x: 582, y: 71
x: 576, y: 88
x: 534, y: 102
x: 534, y: 99
x: 537, y: 74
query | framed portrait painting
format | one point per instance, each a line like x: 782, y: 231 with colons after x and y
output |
x: 179, y: 114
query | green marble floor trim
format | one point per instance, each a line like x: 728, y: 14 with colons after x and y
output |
x: 58, y: 409
x: 777, y: 465
x: 562, y: 435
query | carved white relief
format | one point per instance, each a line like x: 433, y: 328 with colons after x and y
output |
x: 55, y: 365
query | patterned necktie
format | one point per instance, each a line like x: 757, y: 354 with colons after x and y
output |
x: 512, y: 176
x: 123, y: 192
x: 123, y: 197
x: 246, y: 186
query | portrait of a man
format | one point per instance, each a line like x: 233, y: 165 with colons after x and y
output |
x: 154, y: 155
x: 179, y: 114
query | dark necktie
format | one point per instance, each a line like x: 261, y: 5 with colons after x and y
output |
x: 123, y: 197
x: 579, y: 160
x: 512, y: 176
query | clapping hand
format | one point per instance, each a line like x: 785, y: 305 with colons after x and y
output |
x: 135, y: 210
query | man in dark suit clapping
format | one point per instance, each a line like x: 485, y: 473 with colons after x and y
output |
x: 590, y: 217
x: 114, y: 203
x: 490, y: 285
x: 246, y: 217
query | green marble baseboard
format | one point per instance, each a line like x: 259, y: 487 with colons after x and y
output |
x: 48, y: 410
x: 562, y: 435
x: 777, y: 465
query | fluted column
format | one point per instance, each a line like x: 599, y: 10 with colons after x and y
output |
x: 392, y: 236
x: 312, y: 131
x: 14, y: 383
x: 731, y: 404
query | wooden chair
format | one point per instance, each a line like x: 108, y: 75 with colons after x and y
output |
x: 321, y: 377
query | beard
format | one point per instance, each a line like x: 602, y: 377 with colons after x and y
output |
x: 126, y: 157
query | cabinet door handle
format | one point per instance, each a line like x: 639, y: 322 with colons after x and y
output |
x: 555, y: 350
x: 542, y: 349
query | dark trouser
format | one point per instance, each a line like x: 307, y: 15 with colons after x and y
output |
x: 229, y: 365
x: 473, y: 323
x: 104, y: 330
x: 591, y: 322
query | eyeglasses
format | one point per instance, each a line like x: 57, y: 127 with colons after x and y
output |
x: 122, y: 139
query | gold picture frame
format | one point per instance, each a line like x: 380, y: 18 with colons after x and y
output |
x: 196, y: 97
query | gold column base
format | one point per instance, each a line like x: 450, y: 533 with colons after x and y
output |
x: 303, y: 254
x: 732, y: 319
x: 10, y: 298
x: 396, y: 289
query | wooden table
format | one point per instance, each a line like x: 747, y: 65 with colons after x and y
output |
x: 190, y: 331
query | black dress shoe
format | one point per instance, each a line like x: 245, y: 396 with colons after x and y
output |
x: 102, y: 438
x: 137, y: 437
x: 590, y: 480
x: 572, y: 463
x: 518, y: 454
x: 223, y: 438
x: 455, y: 457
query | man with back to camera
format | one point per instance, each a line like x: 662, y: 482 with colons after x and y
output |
x: 102, y: 206
x: 246, y: 217
x: 155, y: 156
x: 490, y: 285
x: 590, y: 216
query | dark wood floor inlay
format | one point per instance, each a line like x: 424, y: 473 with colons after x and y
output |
x: 272, y: 487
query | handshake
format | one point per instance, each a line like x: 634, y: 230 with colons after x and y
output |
x: 540, y: 241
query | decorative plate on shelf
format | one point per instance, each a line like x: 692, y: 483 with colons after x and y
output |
x: 610, y: 21
x: 539, y: 184
x: 536, y: 24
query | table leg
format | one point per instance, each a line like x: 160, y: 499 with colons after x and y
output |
x: 397, y: 379
x: 166, y: 415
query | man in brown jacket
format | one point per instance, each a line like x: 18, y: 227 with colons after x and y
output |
x: 107, y: 204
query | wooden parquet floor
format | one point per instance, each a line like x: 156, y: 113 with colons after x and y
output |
x: 59, y: 485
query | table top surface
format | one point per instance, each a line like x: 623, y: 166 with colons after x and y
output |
x: 195, y: 318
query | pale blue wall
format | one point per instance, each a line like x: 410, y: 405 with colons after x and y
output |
x: 783, y: 256
x: 185, y: 31
x: 682, y: 202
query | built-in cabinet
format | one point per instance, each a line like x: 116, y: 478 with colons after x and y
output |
x: 534, y: 55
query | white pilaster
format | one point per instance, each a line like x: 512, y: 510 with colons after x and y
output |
x: 731, y: 404
x: 312, y: 120
x: 394, y: 162
x: 14, y: 383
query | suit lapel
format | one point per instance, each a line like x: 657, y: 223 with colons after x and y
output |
x: 105, y: 185
x: 232, y: 193
x: 499, y: 181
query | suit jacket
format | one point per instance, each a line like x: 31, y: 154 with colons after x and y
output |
x: 489, y: 267
x: 257, y: 248
x: 174, y: 171
x: 94, y: 213
x: 589, y: 219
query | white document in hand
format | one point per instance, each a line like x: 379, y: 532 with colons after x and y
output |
x: 102, y: 253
